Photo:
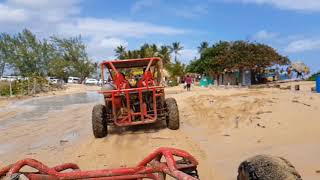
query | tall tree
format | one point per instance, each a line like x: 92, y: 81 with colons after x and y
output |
x: 176, y: 48
x: 26, y: 54
x: 120, y: 52
x: 73, y: 51
x: 176, y: 69
x: 30, y: 56
x: 204, y: 45
x: 154, y: 48
x: 6, y: 50
x: 164, y: 54
x: 236, y: 55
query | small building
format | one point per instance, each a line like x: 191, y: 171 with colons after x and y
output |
x: 234, y: 77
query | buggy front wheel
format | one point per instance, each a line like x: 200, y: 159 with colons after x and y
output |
x: 173, y: 121
x: 99, y: 121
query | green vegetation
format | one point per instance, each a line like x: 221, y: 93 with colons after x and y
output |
x: 314, y: 76
x: 25, y: 87
x: 217, y: 58
x: 34, y: 58
x: 145, y: 51
x: 176, y: 48
x: 29, y: 56
x: 235, y: 55
x: 176, y: 68
x: 203, y: 46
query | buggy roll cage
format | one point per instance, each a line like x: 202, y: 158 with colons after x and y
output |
x: 115, y: 65
x: 123, y: 90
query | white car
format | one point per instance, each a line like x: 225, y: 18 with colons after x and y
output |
x: 102, y: 82
x: 73, y: 80
x: 3, y: 78
x: 56, y: 81
x: 91, y: 82
x: 8, y: 78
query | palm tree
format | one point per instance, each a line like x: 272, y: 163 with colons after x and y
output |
x: 145, y: 51
x: 164, y: 53
x: 120, y: 52
x: 204, y: 45
x: 154, y: 48
x: 176, y: 48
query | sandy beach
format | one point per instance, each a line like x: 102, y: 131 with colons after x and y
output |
x: 219, y: 126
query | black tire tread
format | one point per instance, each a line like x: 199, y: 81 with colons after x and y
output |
x: 99, y: 122
x: 173, y: 121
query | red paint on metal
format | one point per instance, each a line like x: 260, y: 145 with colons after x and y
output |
x: 151, y: 168
x: 120, y: 97
x: 146, y: 117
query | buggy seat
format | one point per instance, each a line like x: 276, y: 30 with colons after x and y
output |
x: 146, y: 80
x: 121, y: 82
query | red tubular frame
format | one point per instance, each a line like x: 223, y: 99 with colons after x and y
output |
x: 151, y: 168
x: 145, y: 117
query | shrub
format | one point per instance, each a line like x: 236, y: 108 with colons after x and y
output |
x: 4, y: 88
x: 32, y: 85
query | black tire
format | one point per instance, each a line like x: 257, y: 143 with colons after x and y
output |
x: 173, y: 121
x: 99, y: 121
x: 263, y: 167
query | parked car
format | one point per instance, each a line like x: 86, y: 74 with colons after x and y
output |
x: 8, y: 78
x: 73, y: 80
x: 3, y: 78
x: 54, y: 80
x: 51, y: 79
x: 91, y: 82
x: 100, y: 83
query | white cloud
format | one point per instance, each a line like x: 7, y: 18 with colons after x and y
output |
x: 38, y: 15
x: 264, y: 35
x: 96, y: 30
x: 12, y: 15
x: 109, y: 27
x: 102, y: 48
x: 112, y: 42
x: 304, y: 5
x: 303, y: 45
x: 46, y: 10
x: 63, y: 17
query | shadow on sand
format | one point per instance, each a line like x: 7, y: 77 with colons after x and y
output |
x: 138, y: 129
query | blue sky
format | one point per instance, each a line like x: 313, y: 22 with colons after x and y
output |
x: 290, y: 26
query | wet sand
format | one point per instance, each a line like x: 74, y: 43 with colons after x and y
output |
x: 220, y: 127
x: 68, y: 89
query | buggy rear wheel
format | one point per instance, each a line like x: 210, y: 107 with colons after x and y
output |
x: 263, y: 167
x: 173, y: 121
x: 99, y: 121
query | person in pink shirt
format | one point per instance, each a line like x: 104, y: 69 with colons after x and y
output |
x: 188, y: 80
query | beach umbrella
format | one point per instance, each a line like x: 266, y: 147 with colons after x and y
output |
x: 300, y: 67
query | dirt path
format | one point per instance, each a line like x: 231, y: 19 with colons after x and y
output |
x: 220, y: 127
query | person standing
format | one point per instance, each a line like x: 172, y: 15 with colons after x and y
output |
x: 289, y: 71
x: 188, y: 80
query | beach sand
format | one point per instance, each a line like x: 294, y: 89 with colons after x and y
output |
x: 221, y: 127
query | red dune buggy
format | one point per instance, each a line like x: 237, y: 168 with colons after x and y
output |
x: 134, y: 95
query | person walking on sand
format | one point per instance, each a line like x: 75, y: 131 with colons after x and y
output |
x: 188, y: 80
